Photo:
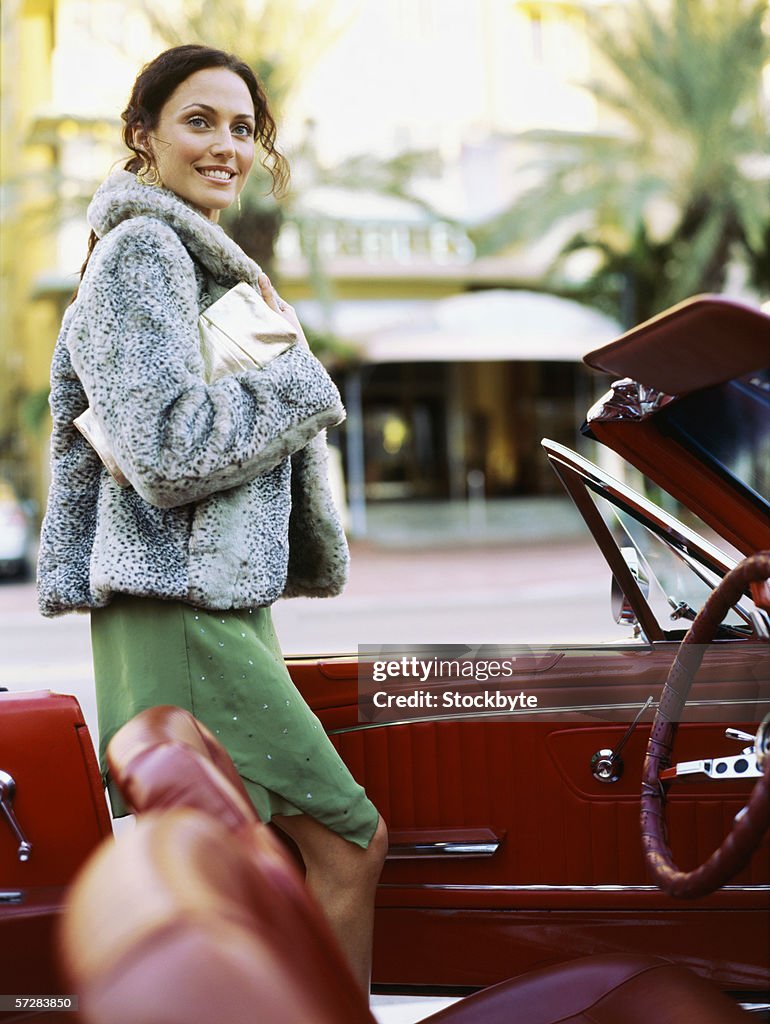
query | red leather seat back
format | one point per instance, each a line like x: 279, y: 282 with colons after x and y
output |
x: 195, y: 925
x: 201, y: 919
x: 610, y: 989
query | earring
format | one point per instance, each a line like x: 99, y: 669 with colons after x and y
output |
x: 238, y: 202
x: 148, y: 175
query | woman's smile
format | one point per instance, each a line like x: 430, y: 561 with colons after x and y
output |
x: 223, y: 174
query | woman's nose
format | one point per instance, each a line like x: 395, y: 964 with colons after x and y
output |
x: 222, y: 143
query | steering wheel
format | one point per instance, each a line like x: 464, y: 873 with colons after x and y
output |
x: 752, y: 822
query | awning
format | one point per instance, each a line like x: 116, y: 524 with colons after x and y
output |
x: 486, y: 326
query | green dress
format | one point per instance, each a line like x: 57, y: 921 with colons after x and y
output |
x: 228, y: 670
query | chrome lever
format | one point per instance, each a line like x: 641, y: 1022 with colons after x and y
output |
x: 749, y: 764
x: 607, y: 765
x: 7, y: 793
x: 741, y: 737
x: 740, y: 766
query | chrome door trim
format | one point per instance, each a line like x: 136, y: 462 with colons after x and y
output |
x: 535, y: 712
x: 11, y: 896
x: 443, y: 849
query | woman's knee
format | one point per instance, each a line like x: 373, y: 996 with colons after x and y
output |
x: 356, y: 866
x: 378, y: 845
x: 328, y: 854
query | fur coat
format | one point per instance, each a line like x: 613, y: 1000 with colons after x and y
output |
x: 230, y: 505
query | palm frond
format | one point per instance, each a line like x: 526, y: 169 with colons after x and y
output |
x: 683, y: 81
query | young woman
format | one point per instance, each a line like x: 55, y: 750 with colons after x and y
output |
x: 228, y: 506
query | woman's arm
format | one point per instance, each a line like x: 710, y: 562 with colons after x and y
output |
x: 135, y: 347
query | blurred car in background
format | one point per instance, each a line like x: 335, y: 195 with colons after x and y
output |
x: 16, y: 535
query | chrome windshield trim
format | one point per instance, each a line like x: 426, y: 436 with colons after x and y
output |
x: 708, y: 562
x: 535, y: 712
x: 666, y: 525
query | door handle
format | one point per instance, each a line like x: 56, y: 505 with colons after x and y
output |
x: 7, y: 793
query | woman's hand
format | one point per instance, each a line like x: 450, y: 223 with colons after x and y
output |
x: 275, y: 302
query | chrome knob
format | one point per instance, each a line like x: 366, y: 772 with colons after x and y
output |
x: 606, y: 765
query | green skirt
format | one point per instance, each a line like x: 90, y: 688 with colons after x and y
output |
x: 228, y: 670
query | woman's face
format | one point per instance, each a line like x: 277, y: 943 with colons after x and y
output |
x: 203, y: 146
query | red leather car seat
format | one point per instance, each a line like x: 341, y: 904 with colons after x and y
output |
x: 612, y: 989
x: 182, y: 922
x: 231, y: 926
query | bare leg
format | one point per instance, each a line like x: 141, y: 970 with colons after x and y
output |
x: 343, y: 878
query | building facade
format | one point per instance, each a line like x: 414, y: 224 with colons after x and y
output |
x: 440, y: 76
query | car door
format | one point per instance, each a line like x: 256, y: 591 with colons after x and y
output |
x: 512, y: 844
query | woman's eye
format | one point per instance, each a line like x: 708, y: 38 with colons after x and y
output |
x: 243, y: 129
x: 197, y: 121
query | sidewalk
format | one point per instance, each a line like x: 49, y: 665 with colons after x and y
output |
x: 510, y: 521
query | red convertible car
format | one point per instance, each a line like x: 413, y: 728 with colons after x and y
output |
x: 588, y: 800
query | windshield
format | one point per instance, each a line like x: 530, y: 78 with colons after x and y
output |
x: 678, y: 587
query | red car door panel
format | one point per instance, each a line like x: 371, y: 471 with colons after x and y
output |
x: 566, y: 870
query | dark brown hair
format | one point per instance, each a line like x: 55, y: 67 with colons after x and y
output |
x: 157, y: 81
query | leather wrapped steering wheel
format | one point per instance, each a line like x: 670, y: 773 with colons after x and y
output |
x: 750, y: 826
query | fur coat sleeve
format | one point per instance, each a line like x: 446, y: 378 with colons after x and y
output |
x: 133, y: 342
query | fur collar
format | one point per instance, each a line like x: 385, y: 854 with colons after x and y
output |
x: 121, y: 197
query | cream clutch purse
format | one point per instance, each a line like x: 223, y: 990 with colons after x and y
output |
x: 237, y: 332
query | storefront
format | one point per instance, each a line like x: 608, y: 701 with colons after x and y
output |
x: 451, y: 397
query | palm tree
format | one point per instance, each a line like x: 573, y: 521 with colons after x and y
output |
x: 665, y: 203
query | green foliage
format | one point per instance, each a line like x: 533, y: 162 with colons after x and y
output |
x: 34, y: 410
x: 683, y: 186
x: 334, y: 352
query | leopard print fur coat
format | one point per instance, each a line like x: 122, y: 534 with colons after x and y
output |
x: 230, y: 505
